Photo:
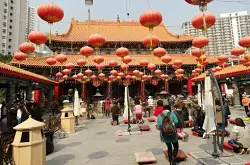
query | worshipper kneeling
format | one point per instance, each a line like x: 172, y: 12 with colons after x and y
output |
x: 240, y: 137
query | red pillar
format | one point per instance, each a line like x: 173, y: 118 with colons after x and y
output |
x: 190, y: 86
x: 142, y: 88
x: 36, y: 95
x: 56, y: 93
x: 109, y: 87
x: 166, y: 85
x: 223, y: 88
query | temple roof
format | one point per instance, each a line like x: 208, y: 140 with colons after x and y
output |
x: 41, y: 61
x: 113, y: 31
x: 9, y: 70
x: 230, y: 71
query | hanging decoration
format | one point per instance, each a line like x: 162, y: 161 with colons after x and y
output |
x: 65, y: 77
x: 19, y: 56
x: 122, y: 52
x: 100, y: 67
x: 151, y: 19
x: 127, y: 59
x: 26, y: 48
x: 51, y: 13
x: 59, y: 75
x: 155, y: 81
x: 144, y: 64
x: 61, y: 58
x: 166, y: 59
x: 101, y: 76
x: 80, y: 76
x: 51, y: 61
x: 147, y: 41
x: 81, y: 62
x: 66, y: 71
x: 203, y: 21
x: 70, y: 66
x: 96, y: 82
x: 114, y: 72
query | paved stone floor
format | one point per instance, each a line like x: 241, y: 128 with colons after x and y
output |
x: 97, y: 143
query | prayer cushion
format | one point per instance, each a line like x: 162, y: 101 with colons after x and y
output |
x: 125, y: 121
x: 144, y: 127
x: 151, y: 119
x: 232, y: 121
x: 181, y: 156
x: 145, y: 157
x: 227, y: 146
x: 228, y: 117
x: 195, y: 133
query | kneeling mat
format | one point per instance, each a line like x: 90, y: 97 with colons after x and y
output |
x: 151, y: 119
x: 227, y: 146
x: 144, y: 127
x: 181, y: 156
x: 232, y: 121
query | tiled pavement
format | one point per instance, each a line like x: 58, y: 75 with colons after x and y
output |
x: 97, y: 143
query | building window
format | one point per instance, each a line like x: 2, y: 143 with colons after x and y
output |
x: 5, y: 11
x: 11, y: 8
x: 3, y: 45
x: 10, y: 40
x: 3, y: 37
x: 11, y: 1
x: 3, y: 52
x: 5, y: 4
x: 10, y: 27
x: 9, y: 46
x: 9, y: 53
x: 11, y: 14
x: 4, y: 30
x: 4, y: 17
x: 10, y: 33
x: 11, y: 20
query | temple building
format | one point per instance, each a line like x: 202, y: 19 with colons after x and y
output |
x: 117, y: 34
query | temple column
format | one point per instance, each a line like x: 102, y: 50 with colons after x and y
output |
x: 166, y: 85
x: 41, y: 97
x: 142, y: 89
x: 11, y: 94
x: 83, y: 92
x: 56, y: 93
x: 236, y: 94
x: 29, y: 93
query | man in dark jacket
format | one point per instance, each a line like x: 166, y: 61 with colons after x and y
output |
x: 115, y: 110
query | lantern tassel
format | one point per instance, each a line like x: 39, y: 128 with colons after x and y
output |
x: 50, y: 70
x: 151, y: 38
x: 204, y: 23
x: 50, y: 36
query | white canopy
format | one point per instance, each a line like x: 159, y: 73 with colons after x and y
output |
x: 77, y: 106
x: 126, y: 104
x: 209, y: 124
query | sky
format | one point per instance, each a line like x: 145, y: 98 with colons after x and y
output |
x: 174, y: 12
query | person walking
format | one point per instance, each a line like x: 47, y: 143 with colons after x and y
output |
x: 245, y: 103
x: 179, y: 127
x: 150, y: 104
x: 138, y: 112
x: 115, y: 110
x: 107, y: 106
x: 168, y: 119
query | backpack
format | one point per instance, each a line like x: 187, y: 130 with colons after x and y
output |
x: 168, y: 127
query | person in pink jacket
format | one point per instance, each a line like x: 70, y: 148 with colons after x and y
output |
x: 138, y: 111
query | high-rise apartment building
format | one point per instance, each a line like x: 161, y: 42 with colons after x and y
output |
x: 225, y: 34
x: 17, y: 19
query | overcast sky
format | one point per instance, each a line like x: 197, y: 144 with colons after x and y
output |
x: 174, y: 12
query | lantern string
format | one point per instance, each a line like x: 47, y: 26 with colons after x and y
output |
x: 149, y: 6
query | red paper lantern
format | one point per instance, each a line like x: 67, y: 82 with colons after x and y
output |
x: 128, y: 77
x: 144, y: 77
x: 205, y: 62
x: 200, y: 42
x: 144, y: 63
x: 218, y: 62
x: 198, y: 21
x: 19, y: 56
x: 177, y: 62
x: 127, y: 59
x: 59, y: 75
x: 122, y: 52
x: 98, y: 59
x: 247, y: 57
x: 155, y: 81
x: 50, y: 12
x: 51, y: 61
x: 65, y: 77
x: 223, y: 58
x: 101, y: 76
x: 198, y: 52
x: 218, y: 68
x: 118, y: 78
x: 147, y: 41
x: 112, y: 63
x: 163, y: 76
x: 124, y: 67
x: 193, y: 71
x: 80, y: 76
x: 198, y: 2
x: 100, y: 66
x: 245, y: 42
x: 114, y: 72
x: 237, y: 51
x: 158, y: 72
x: 166, y: 59
x: 150, y: 19
x: 159, y: 52
x: 75, y: 77
x: 151, y: 67
x: 243, y: 60
x: 175, y: 67
x: 133, y: 77
x: 87, y: 51
x: 70, y: 66
x: 224, y: 65
x: 96, y: 83
x: 88, y: 72
x: 96, y: 40
x: 136, y: 72
x: 26, y: 48
x: 37, y: 37
x: 247, y: 64
x: 121, y: 74
x: 180, y: 71
x: 200, y: 66
x: 66, y: 71
x: 84, y: 78
x: 93, y: 77
x: 81, y: 62
x: 111, y: 77
x: 61, y: 58
x: 150, y: 77
x: 214, y: 70
x: 141, y: 74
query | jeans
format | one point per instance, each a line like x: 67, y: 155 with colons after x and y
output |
x: 172, y: 153
x: 231, y: 142
x: 116, y: 118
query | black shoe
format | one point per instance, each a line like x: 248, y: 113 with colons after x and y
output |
x: 173, y: 162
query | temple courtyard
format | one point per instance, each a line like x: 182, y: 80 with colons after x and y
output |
x: 96, y: 142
